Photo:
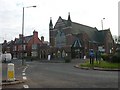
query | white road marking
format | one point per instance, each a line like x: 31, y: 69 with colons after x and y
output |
x: 24, y: 69
x: 25, y: 86
x: 24, y: 78
x: 23, y: 74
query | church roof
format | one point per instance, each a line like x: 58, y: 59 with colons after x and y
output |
x: 79, y: 28
x: 93, y: 33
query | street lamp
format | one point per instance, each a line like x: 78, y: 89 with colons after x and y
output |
x: 23, y: 33
x: 102, y: 23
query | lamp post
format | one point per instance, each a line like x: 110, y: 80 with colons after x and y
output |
x: 102, y: 23
x: 23, y: 34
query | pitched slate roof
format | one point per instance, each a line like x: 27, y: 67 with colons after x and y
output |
x: 102, y: 34
x: 79, y: 28
x: 93, y: 33
x: 27, y: 38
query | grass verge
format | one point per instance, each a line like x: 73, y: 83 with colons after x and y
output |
x: 102, y: 64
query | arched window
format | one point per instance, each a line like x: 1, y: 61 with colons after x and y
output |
x: 60, y: 39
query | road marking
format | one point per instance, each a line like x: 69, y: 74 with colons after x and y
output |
x: 24, y: 78
x: 25, y: 86
x: 24, y: 69
x: 23, y: 74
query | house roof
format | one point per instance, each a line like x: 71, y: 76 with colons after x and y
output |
x: 26, y: 38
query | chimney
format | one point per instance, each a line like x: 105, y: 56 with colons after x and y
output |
x: 5, y: 41
x: 35, y: 33
x: 42, y: 38
x: 20, y: 35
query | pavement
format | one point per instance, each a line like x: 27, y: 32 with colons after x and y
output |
x: 18, y: 69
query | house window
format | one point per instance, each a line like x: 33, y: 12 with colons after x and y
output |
x: 34, y: 46
x: 34, y: 53
x: 15, y: 48
x: 24, y: 47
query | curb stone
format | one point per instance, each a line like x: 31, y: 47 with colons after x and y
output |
x: 96, y: 68
x: 5, y: 82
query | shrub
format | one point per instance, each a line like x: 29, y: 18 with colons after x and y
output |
x: 107, y: 57
x: 115, y: 59
x: 116, y: 56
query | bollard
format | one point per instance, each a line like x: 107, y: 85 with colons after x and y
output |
x: 11, y: 72
x: 84, y: 57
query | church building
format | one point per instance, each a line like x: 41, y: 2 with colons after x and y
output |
x: 75, y: 40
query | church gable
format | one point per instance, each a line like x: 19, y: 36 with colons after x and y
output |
x: 77, y: 43
x: 60, y: 23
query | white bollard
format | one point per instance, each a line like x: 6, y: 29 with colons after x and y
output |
x: 48, y: 57
x: 11, y: 72
x: 84, y: 57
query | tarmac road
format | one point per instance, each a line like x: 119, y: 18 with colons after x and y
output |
x: 64, y: 75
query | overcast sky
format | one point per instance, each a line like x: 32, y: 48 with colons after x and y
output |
x: 87, y: 12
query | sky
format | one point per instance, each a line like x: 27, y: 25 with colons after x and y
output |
x: 86, y: 12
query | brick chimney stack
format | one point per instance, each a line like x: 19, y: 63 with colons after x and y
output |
x: 20, y: 35
x: 42, y: 38
x: 35, y: 34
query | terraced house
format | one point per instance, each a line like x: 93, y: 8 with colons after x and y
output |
x: 30, y: 47
x: 70, y: 38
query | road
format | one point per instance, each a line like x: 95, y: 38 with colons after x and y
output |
x: 64, y: 75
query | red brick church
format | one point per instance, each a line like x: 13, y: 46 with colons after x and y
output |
x: 70, y: 38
